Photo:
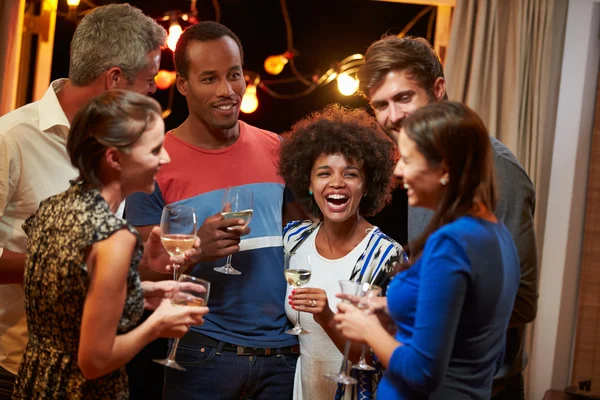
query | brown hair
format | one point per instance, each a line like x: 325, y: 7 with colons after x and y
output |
x: 451, y: 133
x: 354, y: 134
x: 391, y: 53
x: 115, y: 118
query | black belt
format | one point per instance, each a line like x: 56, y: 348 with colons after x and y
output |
x: 203, y: 340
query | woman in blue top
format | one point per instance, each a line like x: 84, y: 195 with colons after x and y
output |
x: 451, y: 307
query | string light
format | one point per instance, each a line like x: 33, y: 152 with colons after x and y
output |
x: 346, y: 84
x: 72, y: 3
x: 275, y: 64
x: 164, y: 79
x: 175, y: 32
x: 249, y: 101
x: 343, y: 72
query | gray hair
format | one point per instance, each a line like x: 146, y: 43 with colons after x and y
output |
x: 116, y: 35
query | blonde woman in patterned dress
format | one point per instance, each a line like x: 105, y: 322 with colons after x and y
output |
x: 83, y: 295
x: 339, y: 166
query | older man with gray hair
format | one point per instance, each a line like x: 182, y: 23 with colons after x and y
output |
x: 114, y: 46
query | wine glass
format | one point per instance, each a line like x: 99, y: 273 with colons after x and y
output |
x: 352, y: 288
x: 178, y: 231
x: 297, y: 274
x: 367, y: 293
x: 238, y: 202
x: 189, y: 291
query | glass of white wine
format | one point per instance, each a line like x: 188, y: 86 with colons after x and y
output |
x: 178, y: 231
x: 238, y: 203
x: 367, y: 292
x: 297, y: 272
x: 189, y: 291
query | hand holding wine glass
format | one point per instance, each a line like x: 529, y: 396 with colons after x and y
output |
x: 237, y: 203
x: 178, y: 231
x: 190, y: 292
x: 297, y: 271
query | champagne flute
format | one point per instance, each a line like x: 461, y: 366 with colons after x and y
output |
x: 189, y: 291
x: 238, y: 202
x: 367, y: 293
x: 297, y: 274
x: 352, y: 288
x: 178, y: 231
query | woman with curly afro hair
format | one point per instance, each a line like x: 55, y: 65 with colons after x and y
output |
x: 339, y: 166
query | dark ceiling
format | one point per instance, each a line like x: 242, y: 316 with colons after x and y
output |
x: 324, y: 32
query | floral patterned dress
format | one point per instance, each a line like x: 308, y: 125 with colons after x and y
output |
x: 56, y: 282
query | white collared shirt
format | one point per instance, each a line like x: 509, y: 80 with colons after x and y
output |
x: 34, y: 165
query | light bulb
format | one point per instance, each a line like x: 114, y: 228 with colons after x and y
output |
x: 174, y: 33
x: 274, y: 64
x: 249, y: 101
x: 73, y: 3
x: 347, y: 85
x: 164, y: 79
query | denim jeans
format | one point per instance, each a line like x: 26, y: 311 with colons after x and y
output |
x: 7, y: 383
x: 212, y: 373
x: 514, y: 389
x: 145, y: 376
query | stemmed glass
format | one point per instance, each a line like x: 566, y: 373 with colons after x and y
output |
x: 297, y: 274
x: 238, y: 202
x: 189, y: 291
x: 178, y: 231
x: 367, y: 293
x: 352, y: 288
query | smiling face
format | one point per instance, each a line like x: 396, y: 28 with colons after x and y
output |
x: 215, y: 83
x: 338, y: 186
x: 397, y: 97
x: 422, y: 181
x: 142, y: 161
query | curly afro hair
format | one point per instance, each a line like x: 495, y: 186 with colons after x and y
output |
x: 352, y: 133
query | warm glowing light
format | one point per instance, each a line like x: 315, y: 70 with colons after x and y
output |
x: 73, y: 3
x: 274, y: 64
x: 347, y: 85
x: 164, y: 79
x: 249, y: 101
x: 174, y: 33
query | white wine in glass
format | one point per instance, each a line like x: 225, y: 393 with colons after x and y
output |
x: 297, y: 270
x: 176, y: 245
x: 246, y: 215
x: 178, y: 231
x: 297, y: 277
x: 189, y: 291
x: 238, y: 202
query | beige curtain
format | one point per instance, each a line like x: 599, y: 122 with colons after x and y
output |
x: 11, y: 27
x: 504, y: 61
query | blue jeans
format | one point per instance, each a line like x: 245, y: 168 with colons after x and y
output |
x: 212, y: 373
x: 513, y: 388
x: 145, y: 376
x: 7, y: 383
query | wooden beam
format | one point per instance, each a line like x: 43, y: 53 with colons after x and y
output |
x: 11, y: 21
x: 443, y: 26
x: 449, y: 3
x: 45, y: 48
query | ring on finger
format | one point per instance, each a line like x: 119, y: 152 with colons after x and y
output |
x: 313, y: 303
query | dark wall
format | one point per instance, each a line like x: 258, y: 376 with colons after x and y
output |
x: 324, y: 32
